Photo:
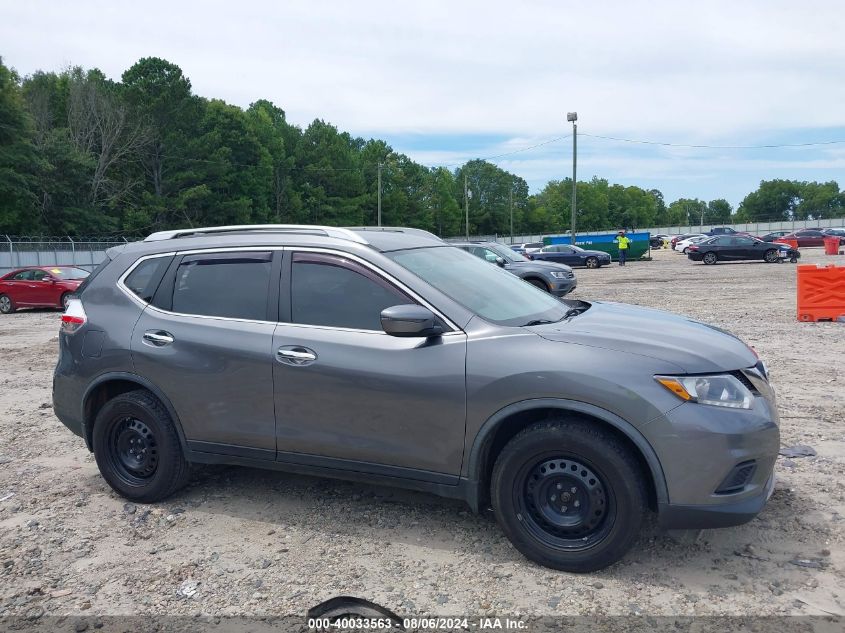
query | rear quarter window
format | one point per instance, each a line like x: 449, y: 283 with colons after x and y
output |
x: 146, y: 276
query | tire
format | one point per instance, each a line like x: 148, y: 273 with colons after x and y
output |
x: 596, y: 524
x: 135, y: 421
x: 710, y: 258
x: 539, y: 283
x: 686, y: 250
x: 793, y: 260
x: 64, y: 299
x: 592, y: 262
x: 7, y: 306
x: 771, y: 256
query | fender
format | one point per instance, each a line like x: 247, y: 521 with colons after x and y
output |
x: 142, y: 383
x: 484, y: 437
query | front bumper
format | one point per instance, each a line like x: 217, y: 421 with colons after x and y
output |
x: 700, y: 447
x: 562, y: 287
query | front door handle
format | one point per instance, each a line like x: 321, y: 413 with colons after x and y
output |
x: 157, y: 338
x: 295, y: 355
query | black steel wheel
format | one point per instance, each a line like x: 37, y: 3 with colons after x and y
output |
x: 710, y: 258
x: 137, y: 447
x: 592, y: 262
x: 568, y: 494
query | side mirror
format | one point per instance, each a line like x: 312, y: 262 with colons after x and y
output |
x: 409, y: 320
x: 500, y: 262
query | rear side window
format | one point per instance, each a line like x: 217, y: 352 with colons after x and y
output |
x: 332, y: 291
x: 232, y: 285
x: 144, y: 280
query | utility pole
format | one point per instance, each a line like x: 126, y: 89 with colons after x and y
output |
x: 466, y: 202
x: 573, y: 116
x: 510, y: 205
x: 379, y: 194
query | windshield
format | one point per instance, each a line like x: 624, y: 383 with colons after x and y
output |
x: 67, y: 272
x: 489, y: 291
x: 506, y: 253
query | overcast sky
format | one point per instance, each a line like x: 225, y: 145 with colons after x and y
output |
x: 445, y: 82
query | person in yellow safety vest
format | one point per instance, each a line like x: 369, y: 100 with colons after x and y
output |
x: 622, y: 241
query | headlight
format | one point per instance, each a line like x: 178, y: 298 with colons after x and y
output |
x: 559, y: 274
x: 721, y: 390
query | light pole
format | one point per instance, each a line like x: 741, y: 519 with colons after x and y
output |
x: 379, y: 194
x: 573, y: 116
x: 466, y: 203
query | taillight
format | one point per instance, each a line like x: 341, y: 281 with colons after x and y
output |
x: 74, y: 316
x: 692, y: 248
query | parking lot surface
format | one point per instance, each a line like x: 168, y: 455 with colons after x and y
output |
x: 250, y: 542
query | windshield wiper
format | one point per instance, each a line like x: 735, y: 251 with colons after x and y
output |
x: 539, y: 322
x: 574, y: 312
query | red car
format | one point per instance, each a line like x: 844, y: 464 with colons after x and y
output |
x: 39, y: 287
x: 807, y: 237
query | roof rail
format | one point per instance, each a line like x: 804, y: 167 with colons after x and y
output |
x: 328, y: 231
x: 395, y: 229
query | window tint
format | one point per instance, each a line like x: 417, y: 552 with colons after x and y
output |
x: 233, y: 285
x: 743, y: 241
x: 144, y: 280
x: 332, y: 291
x: 24, y: 275
x: 39, y: 275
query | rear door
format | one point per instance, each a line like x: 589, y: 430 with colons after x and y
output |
x: 206, y: 341
x: 350, y: 396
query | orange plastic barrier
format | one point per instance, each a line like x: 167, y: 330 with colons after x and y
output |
x: 821, y: 293
x: 792, y: 243
x: 831, y: 246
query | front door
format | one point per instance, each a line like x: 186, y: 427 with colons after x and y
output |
x: 207, y: 343
x: 349, y: 395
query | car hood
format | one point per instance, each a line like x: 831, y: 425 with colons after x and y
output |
x: 540, y: 265
x: 693, y: 346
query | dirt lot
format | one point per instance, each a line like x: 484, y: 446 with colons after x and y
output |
x: 266, y: 543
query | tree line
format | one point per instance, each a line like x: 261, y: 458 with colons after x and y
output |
x: 81, y: 154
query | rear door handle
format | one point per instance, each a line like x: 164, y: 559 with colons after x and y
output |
x: 157, y: 338
x: 295, y: 355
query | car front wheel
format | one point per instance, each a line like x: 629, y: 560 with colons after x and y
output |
x: 592, y: 262
x: 771, y: 256
x: 710, y: 258
x: 568, y: 495
x: 137, y: 448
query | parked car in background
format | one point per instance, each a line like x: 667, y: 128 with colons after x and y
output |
x: 39, y: 287
x: 807, y: 237
x: 656, y: 241
x: 572, y: 256
x: 528, y: 247
x: 740, y: 247
x: 557, y: 279
x: 836, y: 232
x: 774, y: 235
x: 684, y: 245
x: 682, y: 236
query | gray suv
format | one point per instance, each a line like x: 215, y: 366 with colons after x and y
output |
x: 386, y: 355
x: 557, y: 279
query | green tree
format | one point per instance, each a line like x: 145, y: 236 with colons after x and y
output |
x: 718, y: 212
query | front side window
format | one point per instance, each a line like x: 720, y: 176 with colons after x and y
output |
x: 232, y: 285
x: 334, y: 291
x: 489, y: 291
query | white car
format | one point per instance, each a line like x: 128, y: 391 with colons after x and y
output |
x: 683, y: 245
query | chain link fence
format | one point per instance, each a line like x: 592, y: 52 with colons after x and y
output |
x: 19, y: 251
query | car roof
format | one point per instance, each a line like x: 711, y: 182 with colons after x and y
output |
x: 382, y: 239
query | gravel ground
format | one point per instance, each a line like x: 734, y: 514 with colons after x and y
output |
x: 248, y: 542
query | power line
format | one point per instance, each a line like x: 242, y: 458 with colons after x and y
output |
x: 774, y: 146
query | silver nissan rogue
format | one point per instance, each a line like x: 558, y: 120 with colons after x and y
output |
x: 386, y: 355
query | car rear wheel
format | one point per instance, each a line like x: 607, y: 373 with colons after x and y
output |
x: 137, y: 448
x: 539, y: 283
x: 592, y: 262
x: 710, y: 258
x: 771, y: 256
x: 568, y: 495
x: 7, y: 306
x: 65, y: 298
